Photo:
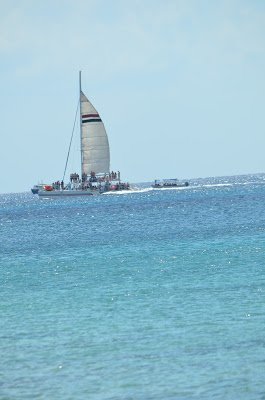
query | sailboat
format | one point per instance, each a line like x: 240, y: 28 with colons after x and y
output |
x: 95, y: 176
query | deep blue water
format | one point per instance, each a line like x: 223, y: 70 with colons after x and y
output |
x: 156, y: 294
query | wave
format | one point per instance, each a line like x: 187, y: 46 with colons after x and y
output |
x: 216, y: 185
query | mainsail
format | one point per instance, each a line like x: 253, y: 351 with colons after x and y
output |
x: 95, y: 154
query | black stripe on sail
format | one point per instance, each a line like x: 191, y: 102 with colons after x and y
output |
x: 84, y: 121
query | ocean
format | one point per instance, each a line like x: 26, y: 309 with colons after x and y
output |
x: 152, y: 294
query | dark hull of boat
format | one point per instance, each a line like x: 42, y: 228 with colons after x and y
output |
x: 170, y: 186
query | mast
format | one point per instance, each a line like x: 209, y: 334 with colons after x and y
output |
x: 81, y: 150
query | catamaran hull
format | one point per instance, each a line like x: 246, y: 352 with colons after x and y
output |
x: 67, y: 193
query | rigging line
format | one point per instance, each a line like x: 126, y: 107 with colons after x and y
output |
x: 71, y: 140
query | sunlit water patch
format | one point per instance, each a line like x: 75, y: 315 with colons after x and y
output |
x: 150, y: 294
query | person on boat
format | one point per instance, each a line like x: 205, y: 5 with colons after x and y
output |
x: 74, y: 177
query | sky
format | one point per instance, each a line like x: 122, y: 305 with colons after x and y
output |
x: 179, y: 85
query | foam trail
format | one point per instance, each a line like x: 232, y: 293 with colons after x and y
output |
x: 217, y: 185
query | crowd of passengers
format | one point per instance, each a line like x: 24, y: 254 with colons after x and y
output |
x: 94, y: 178
x: 87, y: 181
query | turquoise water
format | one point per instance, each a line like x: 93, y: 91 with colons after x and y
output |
x: 157, y: 294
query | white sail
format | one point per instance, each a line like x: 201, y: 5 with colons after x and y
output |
x: 94, y: 140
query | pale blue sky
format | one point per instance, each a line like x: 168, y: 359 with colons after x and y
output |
x: 180, y: 86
